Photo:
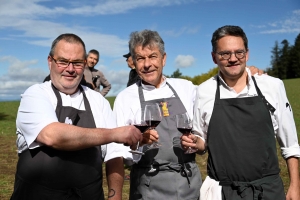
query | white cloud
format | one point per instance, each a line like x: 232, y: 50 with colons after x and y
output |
x: 35, y: 8
x: 183, y: 30
x: 289, y: 25
x: 184, y: 61
x: 20, y: 75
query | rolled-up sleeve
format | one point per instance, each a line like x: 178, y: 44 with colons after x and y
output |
x: 286, y: 133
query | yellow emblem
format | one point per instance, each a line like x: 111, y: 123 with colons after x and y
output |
x: 164, y: 107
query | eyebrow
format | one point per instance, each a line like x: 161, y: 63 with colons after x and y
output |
x: 76, y: 60
x: 154, y: 53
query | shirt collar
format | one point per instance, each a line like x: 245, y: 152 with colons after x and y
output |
x: 151, y: 87
x: 250, y: 90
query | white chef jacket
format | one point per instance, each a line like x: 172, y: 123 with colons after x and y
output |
x: 127, y: 102
x: 274, y: 92
x: 37, y: 110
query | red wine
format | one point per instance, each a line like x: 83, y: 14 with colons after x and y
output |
x: 152, y: 123
x: 184, y: 130
x: 142, y: 128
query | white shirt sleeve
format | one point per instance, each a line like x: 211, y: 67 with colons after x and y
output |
x: 35, y: 103
x: 286, y: 133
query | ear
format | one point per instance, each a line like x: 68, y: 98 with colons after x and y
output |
x: 213, y: 55
x: 49, y: 62
x: 164, y: 59
x: 247, y: 55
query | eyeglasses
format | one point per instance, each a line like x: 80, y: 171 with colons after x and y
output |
x: 227, y: 54
x: 65, y: 63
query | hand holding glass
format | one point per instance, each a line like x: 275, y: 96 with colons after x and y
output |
x: 153, y: 117
x: 184, y: 126
x: 139, y: 123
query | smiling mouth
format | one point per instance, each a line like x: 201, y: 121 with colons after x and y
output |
x: 148, y: 72
x: 235, y: 65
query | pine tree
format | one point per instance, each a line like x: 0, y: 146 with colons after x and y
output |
x: 274, y: 70
x: 284, y: 61
x: 294, y: 67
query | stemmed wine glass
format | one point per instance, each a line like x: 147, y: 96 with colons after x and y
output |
x: 184, y: 126
x: 153, y: 117
x: 140, y: 123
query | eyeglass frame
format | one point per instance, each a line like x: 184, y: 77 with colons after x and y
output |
x: 235, y: 54
x: 69, y: 61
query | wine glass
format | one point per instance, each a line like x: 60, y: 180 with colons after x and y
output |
x: 153, y: 117
x: 184, y: 125
x: 140, y: 123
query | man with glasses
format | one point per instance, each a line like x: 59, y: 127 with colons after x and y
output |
x: 238, y: 117
x: 93, y: 76
x: 62, y: 132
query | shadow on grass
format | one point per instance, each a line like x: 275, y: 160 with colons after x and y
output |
x: 3, y: 116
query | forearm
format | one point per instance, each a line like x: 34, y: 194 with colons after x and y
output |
x: 115, y: 178
x: 106, y: 89
x: 293, y: 169
x: 69, y: 137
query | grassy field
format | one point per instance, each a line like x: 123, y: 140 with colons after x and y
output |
x: 8, y: 154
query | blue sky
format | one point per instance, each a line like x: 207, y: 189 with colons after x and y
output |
x: 27, y: 29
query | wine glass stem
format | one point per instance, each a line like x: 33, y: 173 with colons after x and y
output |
x: 137, y: 146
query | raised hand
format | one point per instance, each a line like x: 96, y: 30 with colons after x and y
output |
x: 149, y: 137
x: 128, y: 135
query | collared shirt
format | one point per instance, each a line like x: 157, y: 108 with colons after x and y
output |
x: 273, y: 90
x: 127, y: 102
x: 37, y: 110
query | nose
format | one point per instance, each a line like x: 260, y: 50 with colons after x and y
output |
x: 232, y: 58
x: 147, y: 62
x: 70, y: 67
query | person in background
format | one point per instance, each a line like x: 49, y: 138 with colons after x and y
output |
x: 65, y: 131
x: 133, y: 75
x: 94, y: 76
x: 238, y: 117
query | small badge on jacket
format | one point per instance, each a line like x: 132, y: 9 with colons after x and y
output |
x: 165, y: 110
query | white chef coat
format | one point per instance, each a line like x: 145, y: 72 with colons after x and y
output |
x: 274, y: 92
x: 37, y: 110
x: 127, y: 102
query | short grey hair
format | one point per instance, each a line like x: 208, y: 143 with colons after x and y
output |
x: 228, y: 30
x: 145, y: 38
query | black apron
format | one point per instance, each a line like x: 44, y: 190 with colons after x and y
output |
x: 242, y: 148
x: 176, y: 174
x: 47, y: 173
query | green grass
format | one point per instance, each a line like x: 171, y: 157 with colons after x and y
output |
x: 8, y: 154
x: 292, y: 87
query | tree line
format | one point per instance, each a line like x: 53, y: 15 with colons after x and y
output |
x: 285, y: 64
x: 285, y: 60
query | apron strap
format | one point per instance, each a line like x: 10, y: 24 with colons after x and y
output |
x: 268, y: 105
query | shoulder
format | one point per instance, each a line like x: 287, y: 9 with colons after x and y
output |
x: 179, y: 81
x: 181, y: 84
x: 208, y: 87
x: 128, y: 92
x: 97, y: 71
x: 127, y: 97
x: 93, y: 95
x: 40, y: 89
x: 268, y: 82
